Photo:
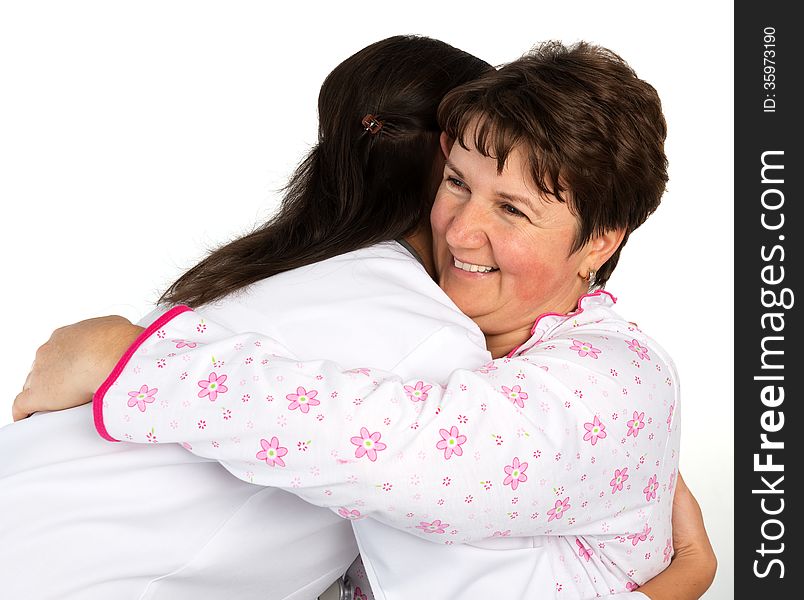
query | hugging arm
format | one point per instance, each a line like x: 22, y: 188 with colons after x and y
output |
x: 96, y: 345
x: 366, y: 443
x: 693, y: 567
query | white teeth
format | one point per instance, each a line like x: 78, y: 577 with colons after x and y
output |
x: 472, y: 268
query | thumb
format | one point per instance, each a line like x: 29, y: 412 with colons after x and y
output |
x: 21, y: 407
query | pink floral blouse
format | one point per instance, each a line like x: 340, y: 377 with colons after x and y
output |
x: 576, y: 432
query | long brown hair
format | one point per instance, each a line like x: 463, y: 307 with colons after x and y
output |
x: 592, y: 130
x: 355, y: 188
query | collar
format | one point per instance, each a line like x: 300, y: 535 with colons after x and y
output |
x: 410, y: 249
x: 546, y: 324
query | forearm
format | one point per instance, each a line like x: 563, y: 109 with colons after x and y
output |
x: 311, y: 428
x: 693, y: 567
x: 687, y: 578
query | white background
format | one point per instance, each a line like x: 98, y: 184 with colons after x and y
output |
x: 136, y: 135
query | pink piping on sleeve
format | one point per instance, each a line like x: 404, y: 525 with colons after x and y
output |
x: 577, y: 311
x: 97, y: 399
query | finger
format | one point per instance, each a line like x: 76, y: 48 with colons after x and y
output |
x: 20, y: 408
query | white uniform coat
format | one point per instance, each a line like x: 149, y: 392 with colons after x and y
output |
x: 84, y: 519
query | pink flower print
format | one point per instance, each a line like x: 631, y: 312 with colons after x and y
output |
x: 272, y: 452
x: 212, y: 387
x: 487, y: 368
x: 668, y: 550
x: 639, y: 537
x: 516, y: 395
x: 451, y: 442
x: 583, y: 552
x: 435, y: 527
x: 584, y: 349
x: 418, y: 393
x: 184, y: 344
x: 359, y: 595
x: 650, y: 489
x: 636, y: 423
x: 142, y: 397
x: 594, y: 431
x: 352, y: 514
x: 515, y: 473
x: 631, y: 586
x: 620, y: 477
x: 559, y: 509
x: 641, y: 351
x: 302, y: 400
x: 368, y: 444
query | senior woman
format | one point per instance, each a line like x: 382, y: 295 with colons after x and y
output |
x: 530, y: 205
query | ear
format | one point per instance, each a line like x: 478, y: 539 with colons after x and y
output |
x: 446, y: 144
x: 599, y: 249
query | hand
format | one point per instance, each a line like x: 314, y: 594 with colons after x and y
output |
x: 73, y: 363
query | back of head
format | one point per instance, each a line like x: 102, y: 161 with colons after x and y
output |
x: 592, y: 130
x: 384, y: 180
x: 357, y: 186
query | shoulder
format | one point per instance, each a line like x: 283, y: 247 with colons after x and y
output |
x: 597, y: 331
x: 379, y: 298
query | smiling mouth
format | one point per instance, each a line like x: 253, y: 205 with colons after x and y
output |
x: 469, y: 267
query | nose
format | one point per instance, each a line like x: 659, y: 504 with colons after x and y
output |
x: 466, y: 227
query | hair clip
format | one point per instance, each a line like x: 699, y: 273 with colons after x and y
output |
x: 372, y: 123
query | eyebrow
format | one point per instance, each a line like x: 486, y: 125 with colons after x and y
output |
x: 452, y: 166
x: 521, y: 199
x: 504, y: 195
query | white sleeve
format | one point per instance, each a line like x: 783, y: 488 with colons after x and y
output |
x: 558, y: 442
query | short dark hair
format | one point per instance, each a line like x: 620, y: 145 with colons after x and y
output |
x: 355, y: 188
x: 593, y: 133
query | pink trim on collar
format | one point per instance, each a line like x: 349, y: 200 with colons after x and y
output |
x: 563, y: 317
x: 97, y: 399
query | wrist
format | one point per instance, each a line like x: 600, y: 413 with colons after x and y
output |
x: 117, y: 336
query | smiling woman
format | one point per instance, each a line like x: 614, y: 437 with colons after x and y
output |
x: 545, y: 188
x: 504, y: 251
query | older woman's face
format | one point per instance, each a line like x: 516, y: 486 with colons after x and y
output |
x: 502, y: 250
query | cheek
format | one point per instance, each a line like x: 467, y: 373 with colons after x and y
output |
x: 532, y: 281
x: 439, y: 218
x: 535, y: 274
